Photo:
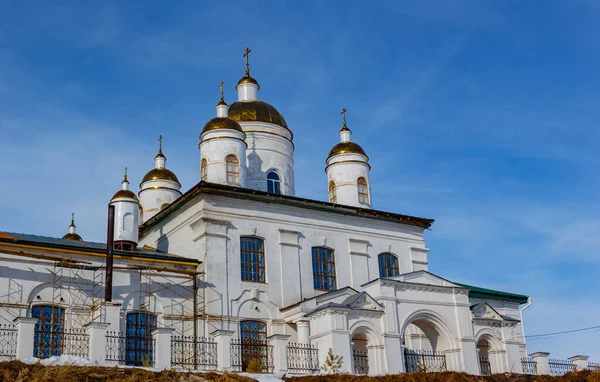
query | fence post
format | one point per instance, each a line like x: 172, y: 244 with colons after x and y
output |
x: 279, y: 342
x: 25, y: 331
x: 97, y: 341
x: 541, y: 361
x: 162, y: 347
x: 580, y: 362
x: 223, y: 339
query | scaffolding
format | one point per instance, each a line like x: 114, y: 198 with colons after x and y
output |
x: 79, y: 285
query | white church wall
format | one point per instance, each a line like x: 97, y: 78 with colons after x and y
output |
x: 289, y: 234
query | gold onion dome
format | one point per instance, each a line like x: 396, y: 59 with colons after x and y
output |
x: 222, y: 123
x: 247, y: 79
x: 347, y: 148
x: 72, y: 235
x: 124, y: 194
x: 256, y: 110
x: 160, y: 174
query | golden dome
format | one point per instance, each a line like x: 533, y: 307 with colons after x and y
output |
x: 124, y: 194
x: 256, y: 111
x: 247, y: 79
x: 221, y: 123
x: 347, y: 148
x: 160, y: 174
x: 72, y: 236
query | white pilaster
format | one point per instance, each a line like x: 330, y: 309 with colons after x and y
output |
x: 223, y: 339
x: 112, y: 311
x: 25, y: 331
x: 162, y: 347
x: 97, y: 341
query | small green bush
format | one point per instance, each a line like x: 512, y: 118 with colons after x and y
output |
x: 254, y: 366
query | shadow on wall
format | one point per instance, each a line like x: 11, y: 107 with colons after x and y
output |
x: 162, y: 244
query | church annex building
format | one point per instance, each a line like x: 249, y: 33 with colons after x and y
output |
x: 239, y: 269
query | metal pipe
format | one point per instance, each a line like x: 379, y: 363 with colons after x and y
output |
x: 195, y: 319
x: 529, y: 302
x: 110, y: 238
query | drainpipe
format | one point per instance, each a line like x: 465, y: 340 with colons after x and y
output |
x: 529, y: 302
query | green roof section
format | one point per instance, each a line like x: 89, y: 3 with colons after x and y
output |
x: 477, y: 292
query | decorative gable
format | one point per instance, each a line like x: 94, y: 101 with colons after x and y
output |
x: 486, y: 312
x: 363, y: 301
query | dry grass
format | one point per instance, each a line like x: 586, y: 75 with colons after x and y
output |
x: 450, y: 377
x: 16, y: 371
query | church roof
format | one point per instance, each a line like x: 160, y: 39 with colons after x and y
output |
x: 256, y: 110
x: 491, y: 294
x: 87, y: 246
x: 261, y: 196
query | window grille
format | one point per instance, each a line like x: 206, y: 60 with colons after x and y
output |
x: 139, y: 349
x: 48, y: 336
x: 252, y: 259
x: 323, y: 268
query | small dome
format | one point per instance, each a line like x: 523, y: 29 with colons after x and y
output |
x: 247, y: 79
x: 72, y: 236
x: 347, y: 148
x: 222, y: 123
x: 160, y: 174
x: 256, y: 110
x: 124, y: 194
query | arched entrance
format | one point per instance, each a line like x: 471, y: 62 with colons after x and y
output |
x: 483, y: 353
x: 360, y: 353
x: 426, y: 339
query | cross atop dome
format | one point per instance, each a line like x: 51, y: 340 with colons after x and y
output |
x: 247, y: 79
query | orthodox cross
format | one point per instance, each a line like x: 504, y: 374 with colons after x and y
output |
x: 160, y: 143
x: 246, y: 55
x: 125, y: 178
x: 344, y: 116
x: 221, y: 87
x: 73, y: 218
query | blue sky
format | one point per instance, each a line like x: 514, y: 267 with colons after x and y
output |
x: 480, y: 114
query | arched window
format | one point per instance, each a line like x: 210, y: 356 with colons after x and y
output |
x: 332, y: 194
x: 273, y: 183
x: 233, y: 169
x: 128, y: 222
x: 203, y: 169
x: 363, y: 191
x: 253, y: 331
x: 252, y: 258
x: 388, y: 265
x: 139, y: 347
x: 323, y: 268
x: 49, y: 331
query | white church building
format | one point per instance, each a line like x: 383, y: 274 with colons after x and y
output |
x: 239, y: 268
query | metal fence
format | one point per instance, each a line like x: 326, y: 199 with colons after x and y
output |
x: 302, y: 358
x: 8, y: 342
x: 529, y: 366
x: 361, y: 361
x: 76, y: 342
x: 484, y: 366
x: 193, y: 353
x: 423, y: 360
x: 242, y: 352
x: 560, y: 367
x: 115, y: 348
